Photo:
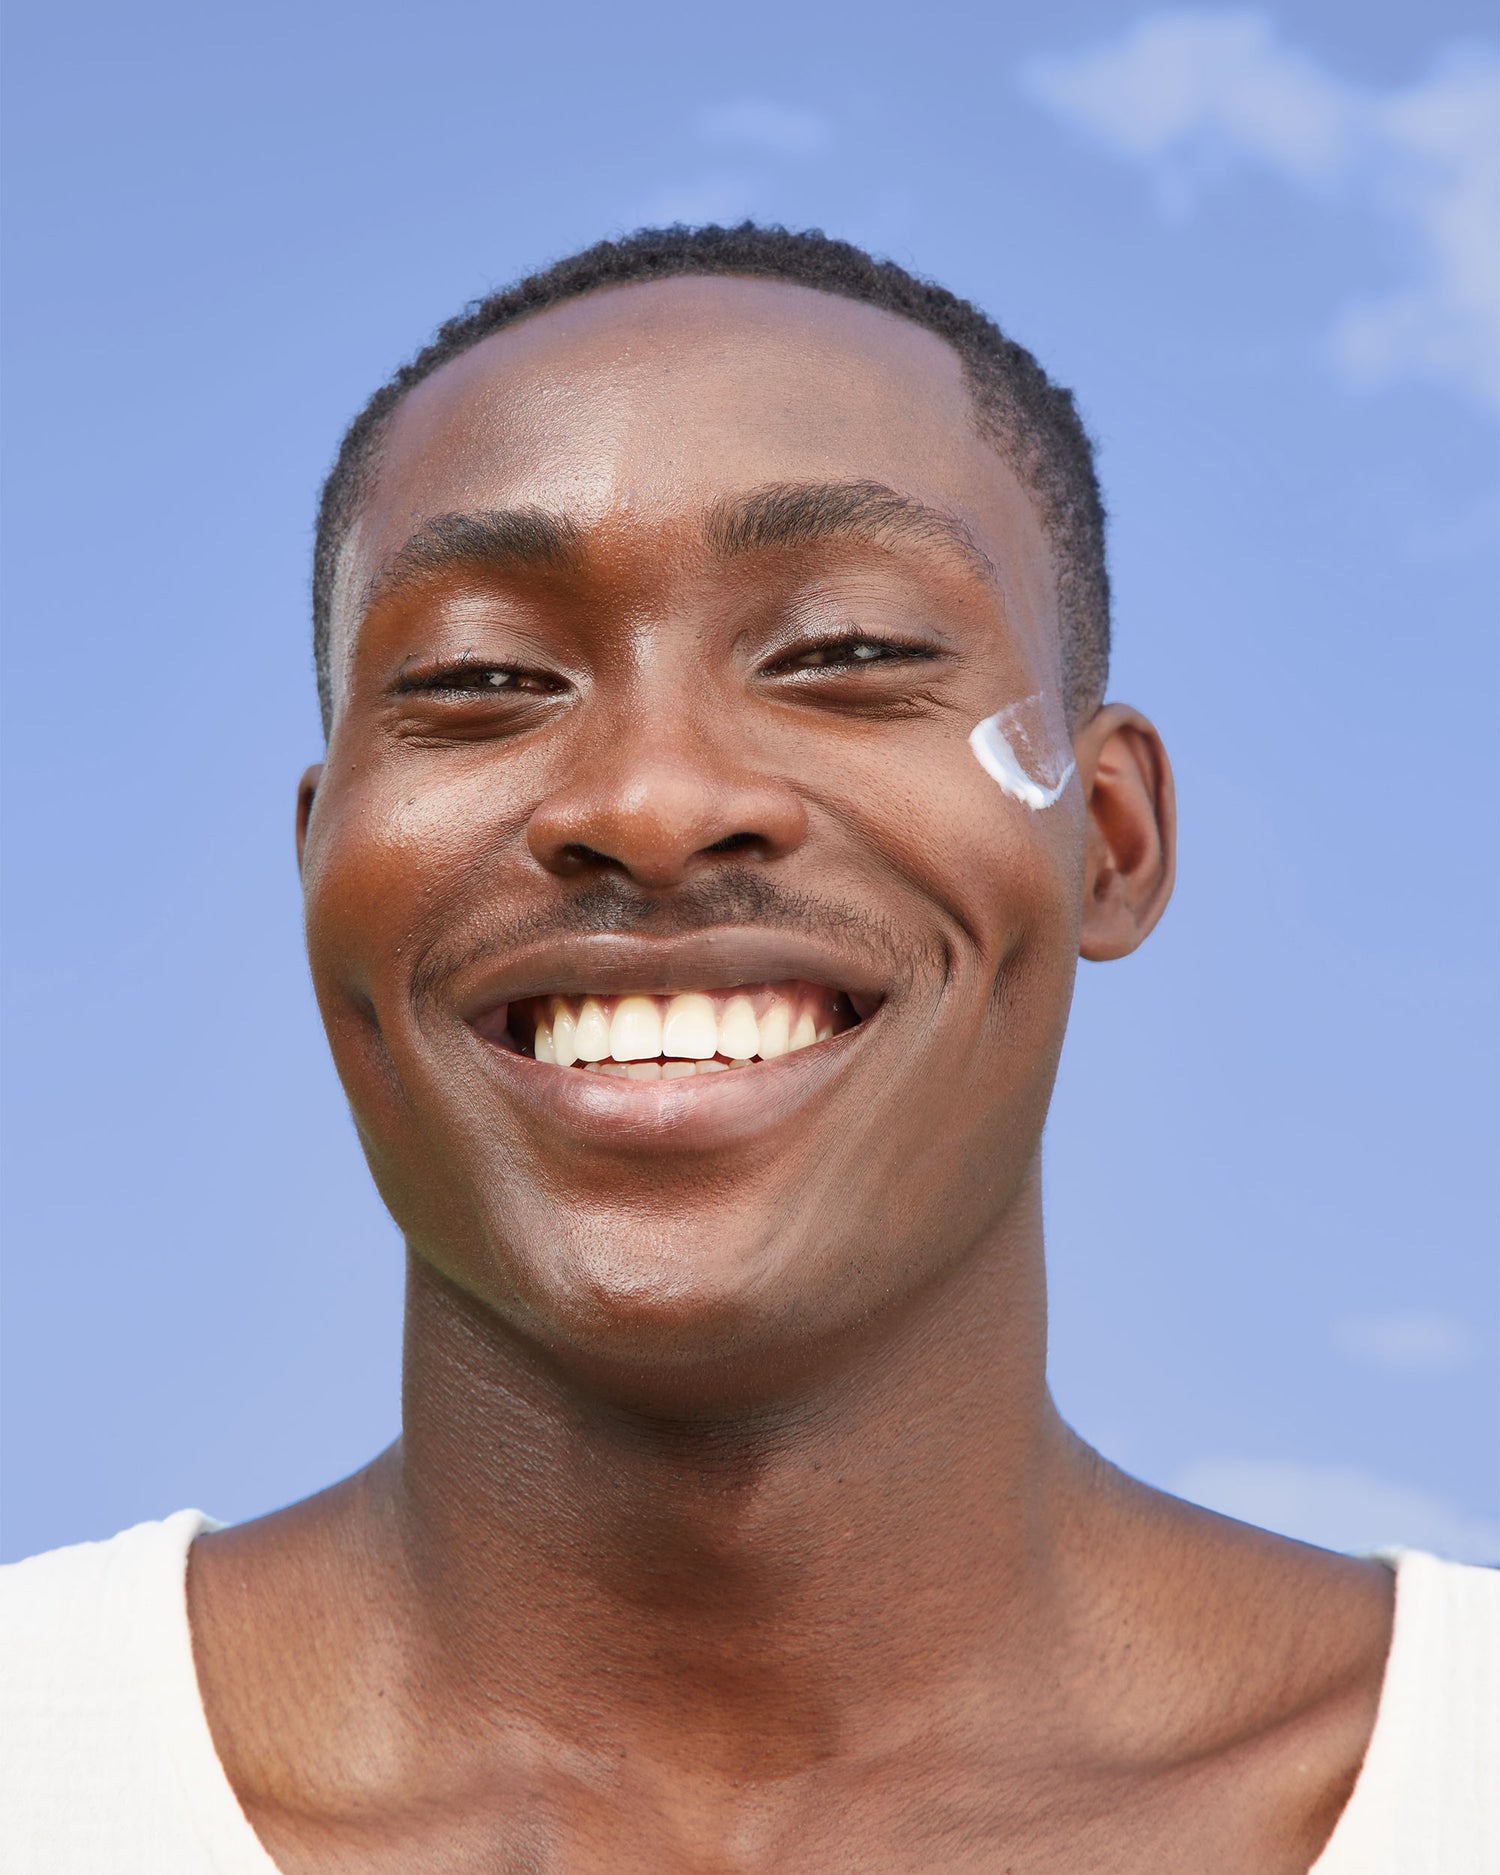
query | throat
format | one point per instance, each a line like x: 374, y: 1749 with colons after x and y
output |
x: 783, y: 1576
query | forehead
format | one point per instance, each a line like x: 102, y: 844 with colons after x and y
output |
x: 642, y: 405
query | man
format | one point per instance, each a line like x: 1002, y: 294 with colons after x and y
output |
x: 712, y: 635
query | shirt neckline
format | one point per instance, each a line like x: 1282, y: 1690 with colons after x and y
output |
x: 1350, y: 1824
x: 225, y: 1829
x: 226, y: 1833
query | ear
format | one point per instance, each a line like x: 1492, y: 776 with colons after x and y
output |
x: 306, y: 789
x: 1131, y: 861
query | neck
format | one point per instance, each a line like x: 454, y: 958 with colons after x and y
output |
x: 785, y: 1572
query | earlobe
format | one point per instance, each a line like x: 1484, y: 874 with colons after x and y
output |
x: 1131, y: 861
x: 307, y: 788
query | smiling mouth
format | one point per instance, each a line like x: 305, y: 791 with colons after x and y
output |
x: 665, y: 1038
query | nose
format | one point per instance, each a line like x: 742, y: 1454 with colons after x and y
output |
x: 659, y: 804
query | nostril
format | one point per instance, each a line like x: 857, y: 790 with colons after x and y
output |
x: 576, y: 857
x: 734, y: 843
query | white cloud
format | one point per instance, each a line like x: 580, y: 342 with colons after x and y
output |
x: 1193, y: 88
x: 765, y: 125
x: 1192, y: 95
x: 1406, y: 1341
x: 1337, y: 1507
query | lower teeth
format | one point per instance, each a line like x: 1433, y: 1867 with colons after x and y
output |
x: 659, y: 1070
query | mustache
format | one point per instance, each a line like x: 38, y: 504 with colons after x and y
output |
x: 612, y: 904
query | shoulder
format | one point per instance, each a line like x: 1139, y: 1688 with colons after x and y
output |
x: 1440, y: 1706
x: 75, y: 1615
x: 1439, y: 1600
x: 58, y: 1577
x: 1236, y: 1635
x: 1426, y: 1798
x: 103, y: 1753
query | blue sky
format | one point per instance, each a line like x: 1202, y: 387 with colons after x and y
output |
x: 1260, y: 245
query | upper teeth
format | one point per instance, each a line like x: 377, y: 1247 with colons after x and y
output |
x: 656, y: 1037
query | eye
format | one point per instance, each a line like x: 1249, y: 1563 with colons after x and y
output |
x: 474, y: 679
x: 853, y: 651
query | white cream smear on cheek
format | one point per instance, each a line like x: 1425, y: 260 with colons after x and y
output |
x: 993, y: 742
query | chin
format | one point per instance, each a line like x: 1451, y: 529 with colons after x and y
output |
x: 671, y: 1315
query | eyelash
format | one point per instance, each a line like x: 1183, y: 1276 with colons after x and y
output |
x: 884, y: 650
x: 478, y: 679
x: 474, y: 679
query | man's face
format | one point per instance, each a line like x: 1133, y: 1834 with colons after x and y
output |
x: 641, y: 692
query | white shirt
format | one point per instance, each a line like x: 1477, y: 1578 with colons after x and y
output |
x: 107, y: 1766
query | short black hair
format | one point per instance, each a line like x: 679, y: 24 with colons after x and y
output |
x: 1034, y: 422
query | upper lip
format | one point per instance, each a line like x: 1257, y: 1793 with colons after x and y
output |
x: 613, y: 963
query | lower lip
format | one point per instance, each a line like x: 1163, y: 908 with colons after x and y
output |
x: 696, y: 1113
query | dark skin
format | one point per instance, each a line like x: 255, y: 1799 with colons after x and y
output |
x: 732, y: 1527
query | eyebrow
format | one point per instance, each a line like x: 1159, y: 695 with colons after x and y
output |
x: 507, y: 540
x: 796, y: 514
x: 781, y: 515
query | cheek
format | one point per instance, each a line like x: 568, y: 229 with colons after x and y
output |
x: 1006, y: 881
x: 383, y: 856
x: 999, y: 873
